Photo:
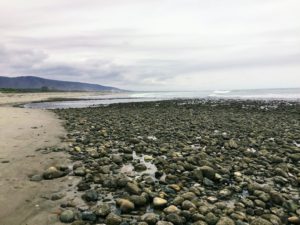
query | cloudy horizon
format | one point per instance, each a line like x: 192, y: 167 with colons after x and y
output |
x: 154, y: 45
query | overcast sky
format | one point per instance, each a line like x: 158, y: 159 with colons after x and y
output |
x: 154, y: 44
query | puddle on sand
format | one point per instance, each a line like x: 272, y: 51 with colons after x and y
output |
x: 128, y: 169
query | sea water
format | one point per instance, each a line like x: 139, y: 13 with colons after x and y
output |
x: 288, y: 94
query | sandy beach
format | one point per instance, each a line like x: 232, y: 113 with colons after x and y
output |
x: 22, y: 133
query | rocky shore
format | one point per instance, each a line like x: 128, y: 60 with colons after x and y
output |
x: 200, y: 162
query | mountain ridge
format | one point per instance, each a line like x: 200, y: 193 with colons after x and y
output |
x: 34, y: 82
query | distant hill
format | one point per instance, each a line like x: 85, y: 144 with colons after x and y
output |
x: 31, y: 82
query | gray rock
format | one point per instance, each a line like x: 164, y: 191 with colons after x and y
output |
x: 80, y: 171
x: 197, y: 175
x: 57, y: 196
x: 52, y: 173
x: 225, y: 221
x: 295, y: 157
x: 141, y: 223
x: 79, y: 222
x: 67, y: 216
x: 140, y: 167
x: 116, y: 158
x: 138, y: 200
x: 260, y: 221
x: 186, y: 205
x: 113, y: 219
x: 89, y: 216
x: 150, y: 218
x: 211, y: 219
x: 36, y: 178
x: 224, y: 193
x: 188, y: 195
x: 175, y: 219
x: 276, y: 197
x: 200, y: 222
x: 164, y: 223
x: 77, y: 165
x: 208, y: 182
x: 208, y: 172
x: 90, y: 196
x: 133, y: 188
x: 103, y: 210
x: 232, y: 144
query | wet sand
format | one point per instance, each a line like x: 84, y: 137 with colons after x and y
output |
x: 22, y: 132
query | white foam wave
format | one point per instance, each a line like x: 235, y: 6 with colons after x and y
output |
x: 221, y: 91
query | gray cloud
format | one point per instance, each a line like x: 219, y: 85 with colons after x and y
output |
x: 153, y: 45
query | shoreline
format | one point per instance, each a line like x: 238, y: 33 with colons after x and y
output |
x: 8, y: 99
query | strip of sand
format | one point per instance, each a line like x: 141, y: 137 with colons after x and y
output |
x: 19, y: 98
x: 22, y: 132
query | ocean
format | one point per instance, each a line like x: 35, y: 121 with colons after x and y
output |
x: 285, y: 94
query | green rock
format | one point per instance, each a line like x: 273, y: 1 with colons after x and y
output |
x: 67, y: 216
x: 211, y: 219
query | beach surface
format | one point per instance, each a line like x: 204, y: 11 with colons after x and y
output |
x: 201, y: 161
x: 22, y: 133
x: 208, y: 162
